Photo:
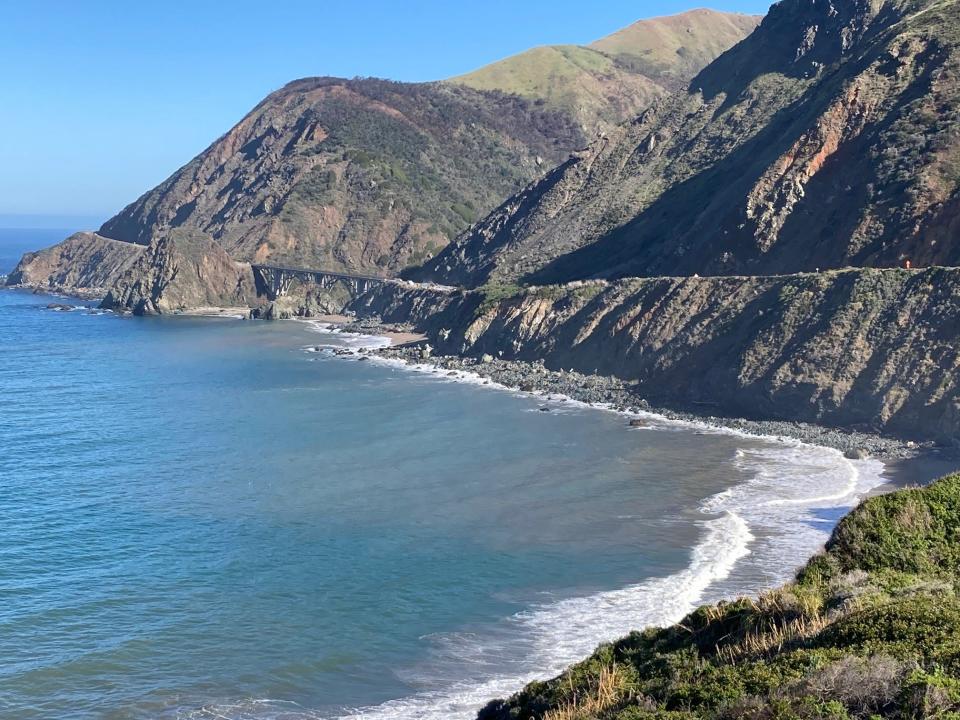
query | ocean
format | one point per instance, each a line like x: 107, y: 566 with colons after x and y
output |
x: 202, y: 518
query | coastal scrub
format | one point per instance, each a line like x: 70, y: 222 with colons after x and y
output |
x: 870, y: 628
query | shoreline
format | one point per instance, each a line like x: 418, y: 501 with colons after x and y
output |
x: 906, y: 463
x: 535, y: 378
x: 730, y: 522
x: 614, y: 394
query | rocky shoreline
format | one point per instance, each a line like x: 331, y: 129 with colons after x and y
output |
x: 618, y: 395
x: 608, y: 391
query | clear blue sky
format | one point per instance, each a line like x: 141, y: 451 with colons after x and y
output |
x: 104, y: 99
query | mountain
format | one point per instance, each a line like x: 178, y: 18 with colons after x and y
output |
x: 613, y: 79
x: 867, y: 630
x: 825, y: 139
x: 593, y: 87
x: 672, y: 49
x: 362, y: 175
x: 375, y: 176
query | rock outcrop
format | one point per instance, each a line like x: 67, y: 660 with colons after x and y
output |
x: 85, y: 264
x: 182, y: 272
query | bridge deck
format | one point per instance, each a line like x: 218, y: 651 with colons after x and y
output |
x: 328, y: 273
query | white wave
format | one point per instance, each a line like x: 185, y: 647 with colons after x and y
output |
x: 564, y: 632
x: 349, y: 340
x: 763, y: 529
x: 571, y: 629
x: 792, y: 496
x: 784, y: 486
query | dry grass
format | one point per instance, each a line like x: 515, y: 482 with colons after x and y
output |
x: 780, y: 617
x: 605, y: 691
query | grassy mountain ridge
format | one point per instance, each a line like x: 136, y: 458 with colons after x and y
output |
x: 826, y: 138
x: 593, y: 86
x: 614, y: 78
x: 868, y: 630
x: 673, y: 48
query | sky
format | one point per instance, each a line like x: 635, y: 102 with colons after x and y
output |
x: 102, y: 100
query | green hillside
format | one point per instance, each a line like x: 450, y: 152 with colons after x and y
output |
x: 618, y: 76
x: 870, y: 629
x: 586, y: 82
x: 674, y: 48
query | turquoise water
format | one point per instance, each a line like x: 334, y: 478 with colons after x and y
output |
x: 198, y: 518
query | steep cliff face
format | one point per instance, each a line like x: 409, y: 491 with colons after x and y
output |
x: 181, y: 272
x: 827, y: 138
x: 876, y: 349
x: 84, y: 264
x: 353, y: 174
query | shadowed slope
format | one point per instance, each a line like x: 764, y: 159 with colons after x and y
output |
x: 826, y: 138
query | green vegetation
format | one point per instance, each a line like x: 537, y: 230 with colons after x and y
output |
x: 618, y: 76
x: 495, y: 293
x: 676, y: 47
x: 584, y: 82
x: 870, y: 629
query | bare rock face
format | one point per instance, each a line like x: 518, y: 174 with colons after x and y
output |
x: 85, y: 264
x: 825, y: 139
x: 181, y: 272
x: 306, y: 300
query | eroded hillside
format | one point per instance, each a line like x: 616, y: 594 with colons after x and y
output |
x: 353, y: 174
x: 875, y: 350
x: 828, y: 138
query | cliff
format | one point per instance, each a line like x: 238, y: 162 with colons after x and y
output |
x: 825, y: 139
x: 85, y: 264
x: 181, y: 272
x: 871, y: 349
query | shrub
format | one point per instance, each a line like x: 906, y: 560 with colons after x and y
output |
x: 913, y: 531
x: 495, y: 293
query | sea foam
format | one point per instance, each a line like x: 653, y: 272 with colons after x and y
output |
x: 753, y: 535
